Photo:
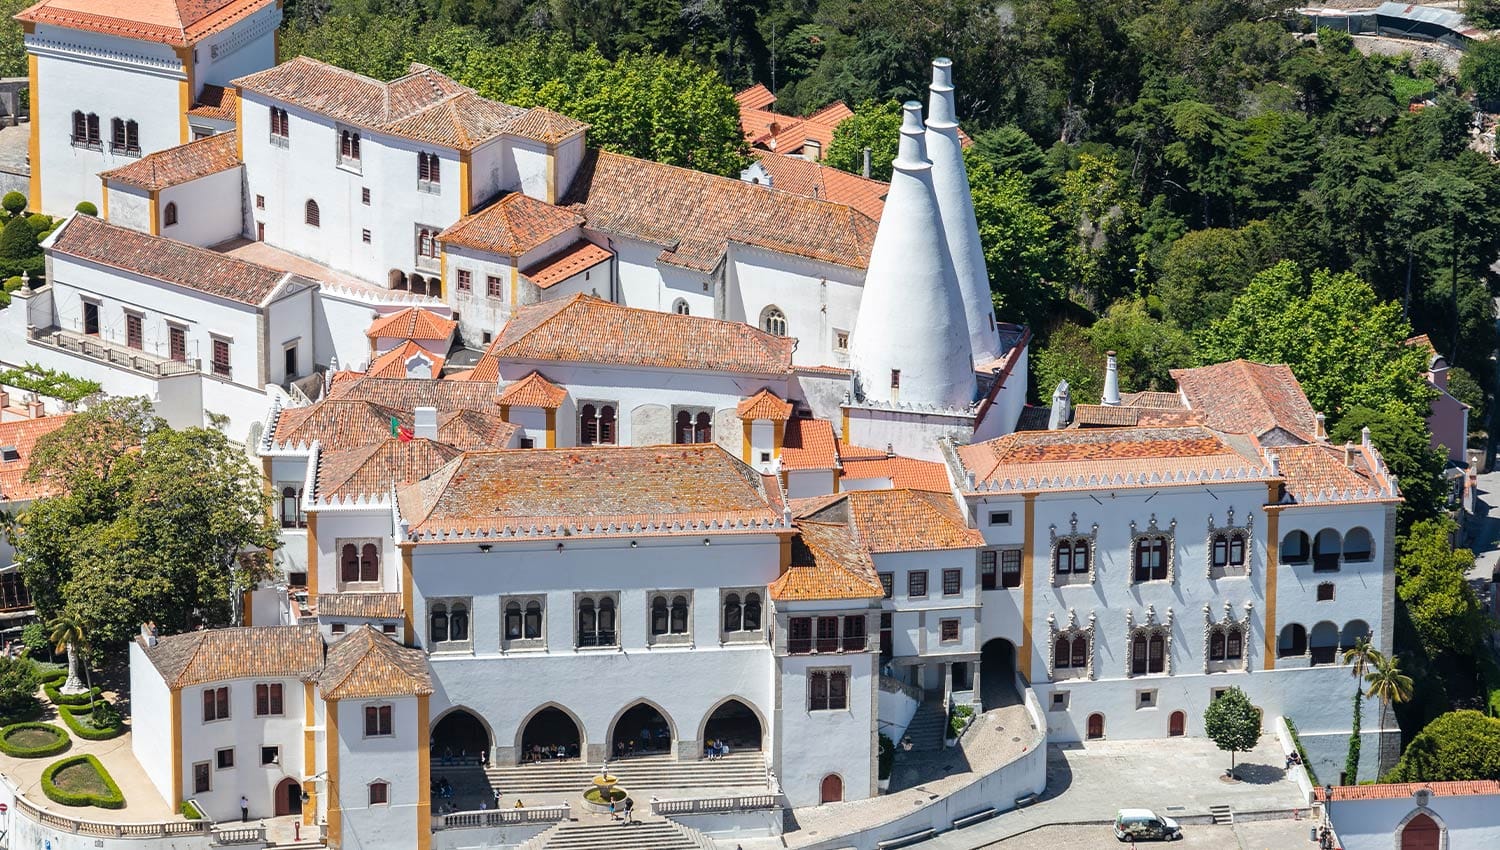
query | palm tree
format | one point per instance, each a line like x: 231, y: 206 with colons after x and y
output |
x: 1388, y: 684
x: 68, y: 633
x: 1361, y: 658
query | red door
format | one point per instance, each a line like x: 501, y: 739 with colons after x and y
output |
x: 1421, y: 833
x: 178, y: 344
x: 832, y: 790
x: 1177, y: 724
x: 133, y: 330
x: 1096, y: 726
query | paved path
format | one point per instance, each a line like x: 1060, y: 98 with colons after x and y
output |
x: 1285, y: 834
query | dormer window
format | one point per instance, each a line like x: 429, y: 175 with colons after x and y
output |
x: 349, y: 149
x: 429, y: 173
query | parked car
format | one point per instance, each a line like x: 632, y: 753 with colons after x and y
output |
x: 1145, y: 825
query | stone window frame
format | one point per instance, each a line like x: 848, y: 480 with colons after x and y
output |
x: 1149, y: 628
x: 1070, y: 631
x: 670, y: 638
x: 830, y: 672
x: 1223, y: 624
x: 597, y: 596
x: 448, y: 602
x: 598, y: 417
x: 359, y: 544
x: 1247, y: 531
x: 1152, y: 529
x: 1089, y: 539
x: 743, y: 635
x: 695, y: 413
x: 522, y: 644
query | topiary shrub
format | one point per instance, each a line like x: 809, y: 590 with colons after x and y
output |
x: 18, y: 240
x: 33, y: 740
x: 39, y: 223
x: 59, y: 698
x: 51, y: 675
x: 960, y: 720
x: 87, y: 208
x: 81, y: 781
x: 13, y: 202
x: 97, y: 722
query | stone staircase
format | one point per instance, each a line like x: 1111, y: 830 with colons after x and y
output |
x: 928, y: 726
x: 639, y: 775
x: 606, y: 834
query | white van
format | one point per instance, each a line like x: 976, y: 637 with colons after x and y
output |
x: 1145, y: 825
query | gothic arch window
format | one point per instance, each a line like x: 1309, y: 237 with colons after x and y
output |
x: 669, y: 616
x: 1229, y: 547
x: 1073, y: 554
x: 349, y: 147
x: 1226, y: 640
x: 773, y: 321
x: 1150, y: 644
x: 680, y: 307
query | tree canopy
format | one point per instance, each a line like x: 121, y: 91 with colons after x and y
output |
x: 1232, y: 723
x: 1456, y: 746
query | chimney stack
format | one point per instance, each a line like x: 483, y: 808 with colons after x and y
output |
x: 1275, y: 462
x: 35, y: 409
x: 1321, y: 431
x: 424, y: 423
x: 1349, y: 454
x: 1111, y: 380
x: 865, y: 169
x: 1364, y: 436
x: 1062, y: 407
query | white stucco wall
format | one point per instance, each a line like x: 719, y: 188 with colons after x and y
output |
x: 150, y: 721
x: 1469, y: 821
x: 128, y: 207
x: 208, y: 209
x: 392, y: 759
x: 246, y: 734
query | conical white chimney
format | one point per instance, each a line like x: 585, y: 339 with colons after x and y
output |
x: 1111, y: 380
x: 911, y: 342
x: 950, y: 180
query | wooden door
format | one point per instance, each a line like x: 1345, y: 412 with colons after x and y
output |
x: 133, y: 331
x: 1421, y: 833
x: 1096, y: 726
x: 833, y: 789
x: 1177, y: 724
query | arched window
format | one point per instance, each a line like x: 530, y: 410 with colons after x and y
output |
x: 679, y: 615
x: 1292, y: 641
x: 310, y: 213
x: 1070, y: 653
x: 588, y: 623
x: 513, y: 621
x: 426, y: 245
x: 93, y: 134
x: 458, y: 622
x: 1151, y: 557
x: 1062, y: 657
x: 732, y: 613
x: 169, y: 214
x: 291, y: 508
x: 607, y: 424
x: 117, y: 135
x: 349, y: 563
x: 684, y: 427
x: 1148, y: 652
x: 132, y: 138
x: 533, y: 627
x: 596, y: 621
x: 427, y: 170
x: 659, y: 615
x: 588, y: 425
x: 1358, y: 547
x: 752, y: 612
x: 680, y: 307
x: 607, y: 619
x: 1216, y: 646
x: 1296, y: 548
x: 349, y: 146
x: 773, y: 321
x: 437, y: 624
x: 369, y: 562
x: 1157, y: 653
x: 703, y: 429
x: 1234, y: 644
x: 1229, y: 551
x: 1327, y: 547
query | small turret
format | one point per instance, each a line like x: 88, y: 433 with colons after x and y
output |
x: 1111, y: 380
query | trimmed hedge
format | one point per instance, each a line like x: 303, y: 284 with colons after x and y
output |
x: 58, y: 698
x: 79, y: 719
x: 111, y: 799
x: 50, y: 675
x: 20, y: 752
x: 190, y: 811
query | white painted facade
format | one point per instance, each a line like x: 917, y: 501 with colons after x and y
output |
x: 1465, y: 820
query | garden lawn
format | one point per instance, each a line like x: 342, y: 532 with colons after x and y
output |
x: 32, y: 738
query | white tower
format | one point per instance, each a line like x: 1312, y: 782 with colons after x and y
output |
x: 951, y: 181
x: 911, y: 341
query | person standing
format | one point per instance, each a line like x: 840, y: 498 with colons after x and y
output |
x: 630, y: 810
x: 244, y: 808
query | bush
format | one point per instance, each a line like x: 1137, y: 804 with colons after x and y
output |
x: 959, y: 719
x: 15, y: 749
x: 1459, y: 745
x: 78, y: 787
x: 82, y: 720
x: 18, y: 240
x: 39, y: 223
x: 13, y: 202
x: 17, y: 684
x: 34, y: 636
x: 190, y: 811
x: 59, y: 698
x: 87, y: 208
x: 887, y: 755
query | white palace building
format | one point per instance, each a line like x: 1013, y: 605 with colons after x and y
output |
x: 727, y: 464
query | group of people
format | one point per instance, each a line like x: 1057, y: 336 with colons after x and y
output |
x: 1293, y: 758
x: 658, y: 741
x: 550, y: 752
x: 463, y: 757
x: 441, y: 789
x: 715, y: 749
x: 628, y: 807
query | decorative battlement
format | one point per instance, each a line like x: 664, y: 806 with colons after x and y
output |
x: 602, y: 529
x: 1132, y: 479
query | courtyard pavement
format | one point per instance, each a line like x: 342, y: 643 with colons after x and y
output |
x: 1283, y: 834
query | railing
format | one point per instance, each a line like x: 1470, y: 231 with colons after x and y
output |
x: 827, y: 645
x: 129, y: 358
x: 706, y: 805
x: 890, y: 684
x: 599, y: 638
x: 241, y: 835
x: 501, y: 817
x: 78, y: 826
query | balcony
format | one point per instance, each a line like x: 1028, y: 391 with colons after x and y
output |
x: 827, y: 645
x: 113, y: 354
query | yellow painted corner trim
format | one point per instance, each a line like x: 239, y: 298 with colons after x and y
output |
x: 152, y: 208
x: 174, y: 717
x: 410, y: 626
x: 312, y: 557
x: 552, y: 429
x: 515, y: 282
x: 239, y: 122
x: 1028, y: 570
x: 1273, y: 554
x: 745, y: 429
x: 34, y: 142
x: 309, y: 752
x: 335, y: 815
x: 551, y: 173
x: 104, y: 201
x: 185, y: 91
x: 465, y: 184
x: 778, y: 438
x: 424, y: 775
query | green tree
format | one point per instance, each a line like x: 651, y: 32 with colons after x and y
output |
x: 17, y: 686
x: 1019, y: 248
x: 1146, y: 347
x: 1479, y: 70
x: 1483, y: 13
x: 155, y: 524
x: 1344, y: 344
x: 1463, y: 386
x: 69, y: 634
x: 1388, y: 685
x: 1068, y: 355
x: 18, y: 240
x: 1406, y: 445
x: 1232, y: 723
x: 1432, y: 583
x: 876, y: 126
x: 1205, y: 270
x: 1459, y: 745
x: 1361, y: 657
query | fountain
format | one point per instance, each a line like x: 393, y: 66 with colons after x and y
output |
x: 606, y: 790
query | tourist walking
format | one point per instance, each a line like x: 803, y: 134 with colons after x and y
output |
x: 629, y: 810
x: 244, y: 808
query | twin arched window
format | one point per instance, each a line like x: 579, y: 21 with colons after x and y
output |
x: 680, y: 307
x: 596, y: 621
x: 359, y: 563
x: 1070, y: 653
x: 692, y: 428
x: 292, y: 515
x: 1071, y: 557
x: 742, y: 617
x: 523, y: 623
x: 1226, y: 644
x: 1229, y: 550
x: 448, y: 623
x: 169, y: 214
x: 428, y: 169
x: 124, y: 136
x: 85, y: 129
x: 669, y: 618
x: 349, y: 146
x: 596, y: 425
x: 1148, y: 653
x: 773, y: 321
x: 1151, y: 557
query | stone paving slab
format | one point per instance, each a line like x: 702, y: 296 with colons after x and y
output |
x: 1285, y: 834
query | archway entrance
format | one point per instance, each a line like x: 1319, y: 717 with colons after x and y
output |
x: 734, y: 723
x: 832, y: 790
x: 1096, y: 727
x: 997, y: 674
x: 550, y: 734
x: 288, y: 797
x: 642, y: 729
x: 460, y: 738
x: 1177, y: 724
x: 1421, y: 833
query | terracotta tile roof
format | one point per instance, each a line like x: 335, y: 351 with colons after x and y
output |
x: 905, y: 473
x: 571, y: 260
x: 221, y: 103
x: 593, y: 491
x: 372, y: 606
x: 533, y: 391
x: 1404, y: 790
x: 367, y: 665
x: 1155, y: 400
x: 831, y: 567
x: 423, y: 105
x: 358, y: 413
x: 214, y: 655
x: 1091, y: 457
x: 695, y: 215
x: 1243, y: 397
x: 584, y: 329
x: 409, y: 393
x: 896, y: 520
x: 412, y: 323
x: 809, y: 444
x: 1317, y: 473
x: 396, y: 362
x: 512, y: 226
x: 543, y: 125
x: 373, y: 469
x: 174, y: 22
x: 764, y: 405
x: 788, y: 133
x: 338, y: 423
x: 815, y: 180
x: 168, y: 260
x: 755, y: 97
x: 22, y: 436
x: 1097, y: 415
x: 474, y: 429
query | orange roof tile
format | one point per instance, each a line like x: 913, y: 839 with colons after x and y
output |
x: 789, y: 134
x: 368, y: 665
x: 571, y: 260
x: 905, y: 473
x: 22, y: 436
x: 358, y: 412
x: 1318, y: 473
x: 1243, y: 397
x: 214, y: 655
x: 764, y: 405
x: 512, y: 226
x: 695, y: 216
x: 533, y: 391
x: 1086, y: 458
x: 370, y: 606
x: 815, y: 180
x: 592, y: 491
x: 221, y: 103
x: 399, y: 361
x: 755, y: 97
x: 543, y: 125
x: 584, y: 329
x: 412, y: 323
x: 174, y: 22
x: 1404, y: 790
x: 373, y: 469
x: 826, y: 564
x: 809, y: 444
x: 882, y: 521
